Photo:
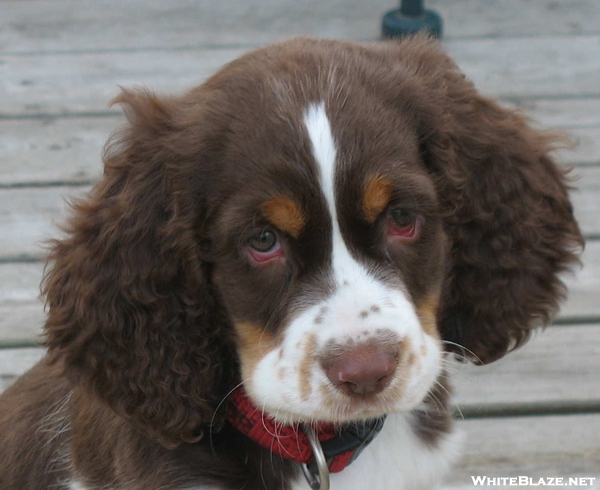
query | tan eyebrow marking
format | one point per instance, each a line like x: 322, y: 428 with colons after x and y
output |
x: 285, y: 214
x: 377, y: 196
x: 427, y: 313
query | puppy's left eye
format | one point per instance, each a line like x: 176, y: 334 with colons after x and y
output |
x: 265, y: 246
x: 404, y: 223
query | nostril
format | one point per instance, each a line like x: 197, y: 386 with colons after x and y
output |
x: 361, y: 370
x: 365, y: 387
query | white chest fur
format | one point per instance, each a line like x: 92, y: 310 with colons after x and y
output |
x: 397, y: 460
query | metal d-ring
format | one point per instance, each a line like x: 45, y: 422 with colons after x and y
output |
x: 320, y: 482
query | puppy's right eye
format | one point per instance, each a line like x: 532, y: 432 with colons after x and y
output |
x: 265, y: 246
x: 404, y: 224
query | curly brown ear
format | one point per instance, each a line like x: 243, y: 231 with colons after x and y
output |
x: 508, y: 215
x: 130, y: 311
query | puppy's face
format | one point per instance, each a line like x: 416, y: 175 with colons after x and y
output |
x: 328, y: 257
x: 327, y: 196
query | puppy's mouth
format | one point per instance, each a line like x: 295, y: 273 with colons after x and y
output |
x: 337, y: 407
x: 358, y: 410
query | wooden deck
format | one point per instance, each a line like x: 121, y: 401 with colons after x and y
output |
x: 535, y: 413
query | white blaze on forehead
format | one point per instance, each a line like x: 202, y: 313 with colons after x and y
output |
x: 319, y: 132
x: 325, y: 154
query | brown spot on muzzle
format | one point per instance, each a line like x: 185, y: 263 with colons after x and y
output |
x: 285, y: 214
x: 306, y: 366
x: 378, y: 193
x: 407, y: 362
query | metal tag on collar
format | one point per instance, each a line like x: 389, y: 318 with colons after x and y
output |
x: 320, y: 481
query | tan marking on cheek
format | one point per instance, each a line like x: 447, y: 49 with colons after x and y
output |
x: 254, y: 343
x: 406, y: 353
x: 412, y: 359
x: 427, y: 313
x: 306, y: 365
x: 377, y: 196
x: 327, y: 399
x: 409, y: 357
x: 285, y: 214
x: 406, y: 363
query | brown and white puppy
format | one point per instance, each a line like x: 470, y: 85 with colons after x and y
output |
x: 319, y: 223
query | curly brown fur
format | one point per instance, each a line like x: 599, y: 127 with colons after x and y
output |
x: 131, y: 312
x: 508, y: 216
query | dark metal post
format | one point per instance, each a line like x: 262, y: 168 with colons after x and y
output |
x: 410, y: 18
x: 412, y: 8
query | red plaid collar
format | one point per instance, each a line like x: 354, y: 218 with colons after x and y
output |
x: 290, y: 441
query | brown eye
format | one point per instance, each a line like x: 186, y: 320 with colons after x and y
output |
x: 403, y: 217
x: 265, y: 247
x: 404, y: 224
x: 263, y: 241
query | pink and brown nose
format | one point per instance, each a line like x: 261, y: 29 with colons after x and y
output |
x: 361, y: 370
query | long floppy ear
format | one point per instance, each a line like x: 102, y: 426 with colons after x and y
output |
x: 507, y: 212
x: 131, y: 315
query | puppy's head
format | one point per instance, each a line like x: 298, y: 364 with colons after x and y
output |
x: 318, y: 222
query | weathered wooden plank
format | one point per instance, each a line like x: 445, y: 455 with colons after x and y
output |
x: 69, y: 149
x: 586, y: 198
x: 543, y: 66
x: 21, y: 310
x: 68, y: 25
x: 561, y: 113
x: 29, y: 217
x: 14, y: 362
x: 557, y: 365
x: 20, y: 283
x: 543, y: 446
x: 72, y: 83
x: 534, y: 446
x: 53, y: 150
x: 586, y: 147
x: 21, y: 323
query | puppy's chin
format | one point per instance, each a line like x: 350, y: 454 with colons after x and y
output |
x: 342, y: 409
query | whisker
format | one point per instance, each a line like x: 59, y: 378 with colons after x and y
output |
x: 212, y: 420
x: 464, y: 349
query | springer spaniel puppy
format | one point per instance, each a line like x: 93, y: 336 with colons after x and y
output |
x: 263, y: 289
